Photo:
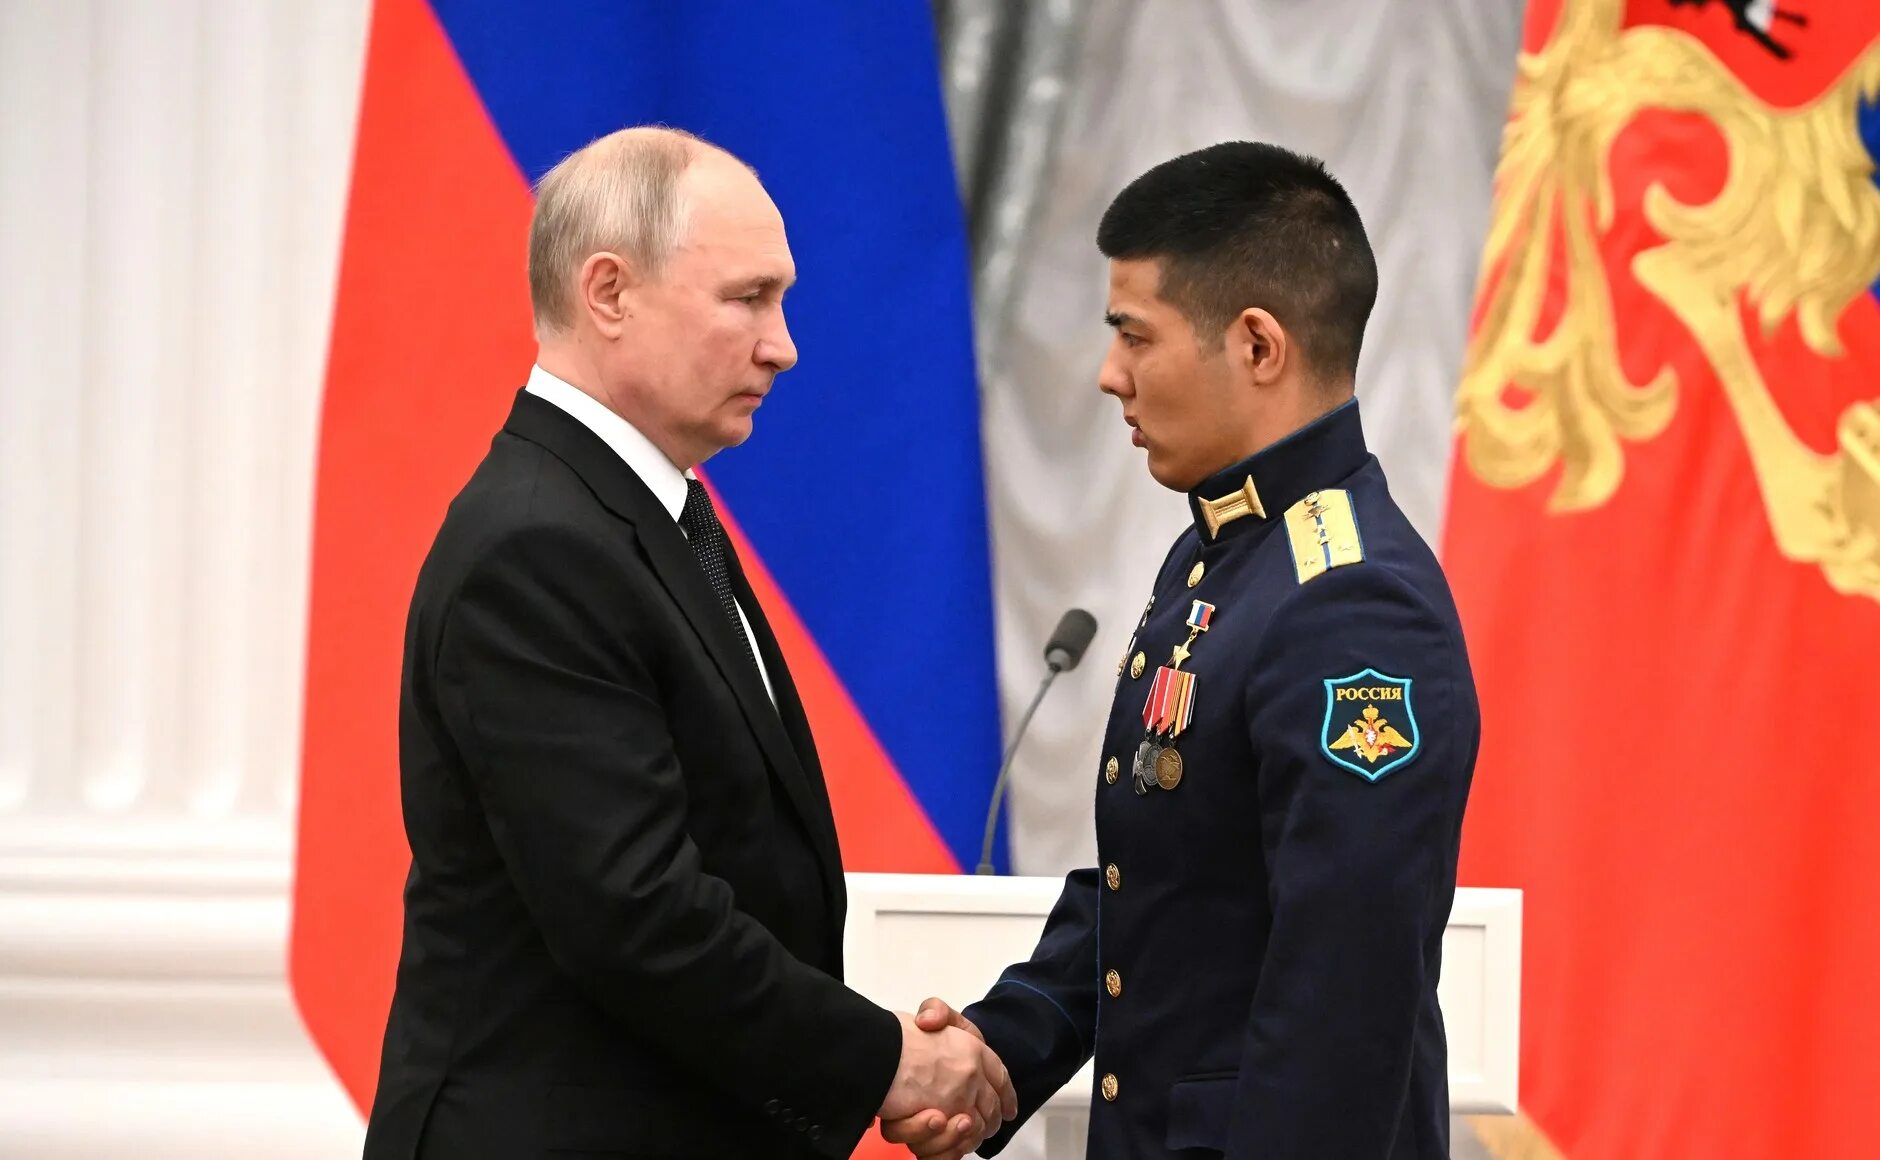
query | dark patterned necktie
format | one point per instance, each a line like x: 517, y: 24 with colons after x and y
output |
x: 707, y: 537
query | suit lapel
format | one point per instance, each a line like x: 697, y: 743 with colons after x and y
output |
x: 624, y: 494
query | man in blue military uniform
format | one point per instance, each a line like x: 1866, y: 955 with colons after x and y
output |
x: 1253, y: 961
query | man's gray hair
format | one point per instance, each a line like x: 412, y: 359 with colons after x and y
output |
x: 618, y: 193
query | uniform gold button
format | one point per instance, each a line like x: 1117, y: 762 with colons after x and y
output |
x: 1113, y: 983
x: 1109, y: 1086
x: 1110, y: 769
x: 1113, y: 876
x: 1196, y: 573
x: 1136, y: 665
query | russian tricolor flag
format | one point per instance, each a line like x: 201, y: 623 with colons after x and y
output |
x: 858, y: 506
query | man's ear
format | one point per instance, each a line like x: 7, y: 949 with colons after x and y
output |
x: 1258, y: 343
x: 604, y: 291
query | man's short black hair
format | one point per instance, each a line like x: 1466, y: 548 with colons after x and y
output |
x: 1245, y: 224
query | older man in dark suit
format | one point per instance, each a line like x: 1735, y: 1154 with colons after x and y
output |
x: 623, y: 923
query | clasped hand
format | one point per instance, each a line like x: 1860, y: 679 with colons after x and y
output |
x: 950, y: 1092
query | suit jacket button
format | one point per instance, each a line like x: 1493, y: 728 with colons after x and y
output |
x: 1113, y: 876
x: 1113, y: 983
x: 815, y: 1133
x: 1109, y: 1086
x: 1110, y: 770
x: 771, y: 1108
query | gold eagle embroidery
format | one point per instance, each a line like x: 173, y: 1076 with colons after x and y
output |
x: 1372, y: 736
x: 1794, y: 233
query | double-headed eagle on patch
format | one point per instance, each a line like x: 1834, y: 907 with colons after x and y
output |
x: 1372, y: 736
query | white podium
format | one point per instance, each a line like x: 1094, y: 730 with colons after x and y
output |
x: 914, y: 935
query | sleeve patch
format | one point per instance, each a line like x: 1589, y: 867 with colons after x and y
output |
x: 1370, y: 727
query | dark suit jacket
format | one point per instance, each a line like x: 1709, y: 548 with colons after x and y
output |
x: 623, y: 924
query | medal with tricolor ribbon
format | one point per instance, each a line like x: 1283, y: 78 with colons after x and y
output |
x: 1169, y: 709
x: 1171, y: 703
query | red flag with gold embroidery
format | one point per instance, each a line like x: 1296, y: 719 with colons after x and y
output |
x: 1664, y: 533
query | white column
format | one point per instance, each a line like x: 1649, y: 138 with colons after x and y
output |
x: 43, y: 194
x: 172, y: 185
x: 139, y: 230
x: 235, y: 392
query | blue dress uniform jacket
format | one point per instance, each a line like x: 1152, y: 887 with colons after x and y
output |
x: 1253, y: 962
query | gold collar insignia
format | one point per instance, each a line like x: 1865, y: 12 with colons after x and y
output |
x: 1230, y: 507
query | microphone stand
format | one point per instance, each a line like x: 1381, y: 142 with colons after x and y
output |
x: 1005, y: 768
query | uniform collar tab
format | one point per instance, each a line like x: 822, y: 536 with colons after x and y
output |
x: 1262, y: 486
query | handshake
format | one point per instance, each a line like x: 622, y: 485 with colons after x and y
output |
x: 950, y: 1091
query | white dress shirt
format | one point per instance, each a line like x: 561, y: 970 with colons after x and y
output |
x: 666, y: 482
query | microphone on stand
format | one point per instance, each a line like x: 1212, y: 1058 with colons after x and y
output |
x: 1075, y: 630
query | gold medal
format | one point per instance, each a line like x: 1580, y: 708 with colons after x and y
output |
x: 1168, y: 768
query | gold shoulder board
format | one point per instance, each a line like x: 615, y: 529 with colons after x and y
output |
x: 1324, y: 533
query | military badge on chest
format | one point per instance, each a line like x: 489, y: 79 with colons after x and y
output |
x: 1168, y: 710
x: 1370, y: 728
